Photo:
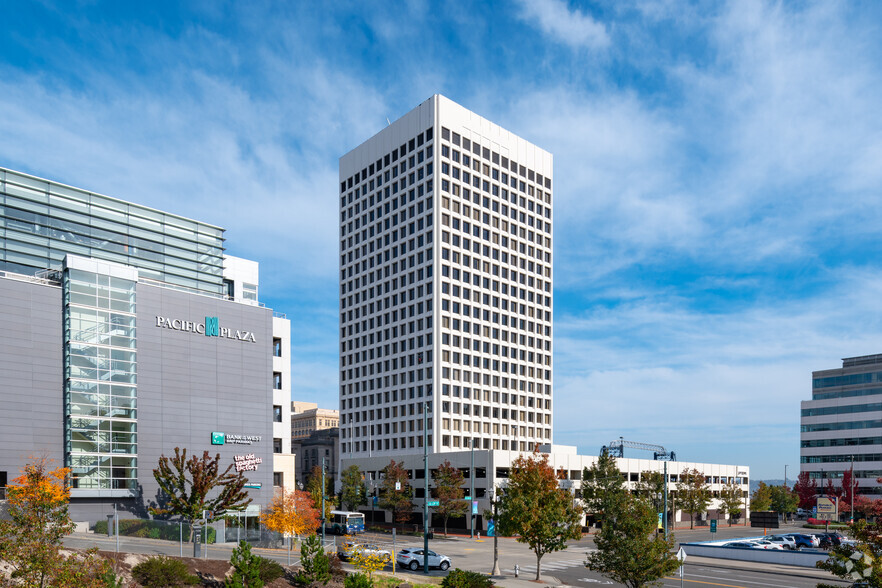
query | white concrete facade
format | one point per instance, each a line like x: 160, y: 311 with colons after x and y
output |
x: 491, y: 471
x: 445, y: 287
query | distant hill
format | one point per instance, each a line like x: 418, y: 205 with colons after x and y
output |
x: 754, y: 484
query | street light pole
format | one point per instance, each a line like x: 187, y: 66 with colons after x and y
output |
x: 323, y: 504
x: 425, y: 488
x: 852, y: 488
x: 666, y: 501
x: 785, y: 488
x: 496, y: 571
x: 472, y: 492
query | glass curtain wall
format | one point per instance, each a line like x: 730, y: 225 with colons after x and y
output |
x: 101, y: 361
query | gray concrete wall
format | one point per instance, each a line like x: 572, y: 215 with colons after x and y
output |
x: 31, y: 384
x: 190, y: 385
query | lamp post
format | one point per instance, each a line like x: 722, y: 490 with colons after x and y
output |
x: 851, y: 490
x: 495, y: 572
x: 323, y: 504
x: 785, y: 490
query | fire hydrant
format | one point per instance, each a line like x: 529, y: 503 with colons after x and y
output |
x: 517, y: 570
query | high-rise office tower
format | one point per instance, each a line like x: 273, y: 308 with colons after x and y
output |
x: 445, y: 287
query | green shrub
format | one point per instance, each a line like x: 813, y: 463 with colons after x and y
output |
x: 465, y: 579
x: 162, y: 571
x: 357, y: 580
x: 246, y: 568
x: 269, y: 570
x: 315, y: 563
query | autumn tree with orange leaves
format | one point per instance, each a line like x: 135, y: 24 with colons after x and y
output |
x: 30, y: 540
x: 291, y: 513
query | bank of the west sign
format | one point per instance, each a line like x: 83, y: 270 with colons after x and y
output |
x: 210, y: 328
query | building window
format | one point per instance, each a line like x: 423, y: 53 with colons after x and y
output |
x: 277, y: 479
x: 277, y: 414
x: 229, y: 289
x: 277, y: 381
x: 3, y: 482
x: 277, y: 347
x: 277, y: 445
x: 249, y: 291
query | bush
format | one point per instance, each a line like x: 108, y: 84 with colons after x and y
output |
x: 315, y: 563
x: 269, y: 570
x: 356, y: 580
x: 465, y: 579
x: 246, y: 568
x: 162, y: 571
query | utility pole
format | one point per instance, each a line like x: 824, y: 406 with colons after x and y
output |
x: 852, y: 488
x: 493, y: 499
x: 665, y: 515
x: 426, y: 488
x: 472, y: 492
x: 785, y: 489
x: 323, y: 504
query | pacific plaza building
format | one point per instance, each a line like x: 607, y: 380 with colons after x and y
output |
x: 128, y: 332
x: 446, y: 302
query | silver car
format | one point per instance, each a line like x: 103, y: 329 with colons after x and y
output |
x: 413, y: 559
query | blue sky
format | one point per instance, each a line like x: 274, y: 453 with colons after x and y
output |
x: 718, y: 169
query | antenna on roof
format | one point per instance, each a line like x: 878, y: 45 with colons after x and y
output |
x: 388, y: 122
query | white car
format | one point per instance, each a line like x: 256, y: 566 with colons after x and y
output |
x: 413, y: 559
x: 764, y: 544
x: 785, y: 540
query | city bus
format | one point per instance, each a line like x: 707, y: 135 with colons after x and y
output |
x: 342, y: 522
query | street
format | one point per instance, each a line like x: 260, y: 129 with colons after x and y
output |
x: 563, y: 567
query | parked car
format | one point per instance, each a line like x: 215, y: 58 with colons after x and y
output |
x: 347, y: 548
x: 786, y: 541
x: 742, y: 544
x: 807, y: 541
x: 413, y: 559
x: 835, y: 538
x: 765, y: 544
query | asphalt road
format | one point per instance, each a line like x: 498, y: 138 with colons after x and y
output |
x: 566, y: 567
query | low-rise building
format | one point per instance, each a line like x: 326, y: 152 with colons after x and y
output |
x: 491, y: 469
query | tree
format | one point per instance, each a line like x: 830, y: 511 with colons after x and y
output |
x: 186, y: 484
x: 831, y: 490
x: 449, y: 492
x: 246, y: 568
x: 731, y: 501
x: 600, y: 484
x: 291, y: 513
x: 399, y: 501
x: 629, y: 551
x: 366, y: 560
x: 314, y: 487
x: 352, y: 488
x: 850, y: 490
x: 806, y: 488
x: 783, y: 499
x: 861, y: 561
x: 761, y: 500
x: 315, y: 564
x: 30, y: 538
x: 693, y: 494
x: 535, y: 508
x: 652, y: 487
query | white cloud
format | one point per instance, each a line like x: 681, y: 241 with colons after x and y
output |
x: 570, y: 27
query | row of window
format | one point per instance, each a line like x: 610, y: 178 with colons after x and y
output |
x: 840, y: 458
x: 391, y: 157
x: 493, y: 157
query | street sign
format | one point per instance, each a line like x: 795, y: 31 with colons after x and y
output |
x: 434, y: 503
x: 466, y: 497
x: 397, y: 486
x: 681, y: 556
x: 713, y: 525
x: 827, y: 508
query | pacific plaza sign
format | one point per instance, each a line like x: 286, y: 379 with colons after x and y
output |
x: 210, y: 328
